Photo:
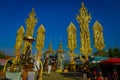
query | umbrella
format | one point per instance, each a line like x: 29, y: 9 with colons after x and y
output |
x: 115, y: 62
x: 98, y: 59
x: 111, y: 61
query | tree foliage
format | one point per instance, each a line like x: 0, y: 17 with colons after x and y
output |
x: 115, y: 52
x: 2, y: 55
x: 100, y: 53
x: 111, y: 52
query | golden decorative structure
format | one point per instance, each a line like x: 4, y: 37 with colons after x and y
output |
x: 39, y: 46
x: 19, y: 38
x: 40, y: 39
x: 47, y: 55
x: 60, y: 54
x: 98, y: 36
x: 71, y: 30
x: 49, y: 50
x: 30, y: 24
x: 83, y: 19
x: 19, y: 42
x: 60, y: 49
x: 5, y: 65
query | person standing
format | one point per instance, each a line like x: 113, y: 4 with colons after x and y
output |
x: 49, y: 68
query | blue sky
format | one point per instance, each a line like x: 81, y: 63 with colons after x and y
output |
x: 56, y: 16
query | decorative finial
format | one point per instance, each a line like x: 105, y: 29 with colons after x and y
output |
x: 84, y: 16
x: 32, y: 9
x: 20, y: 30
x: 60, y: 41
x: 71, y: 27
x: 41, y: 29
x: 50, y: 46
x: 82, y: 4
x: 32, y: 13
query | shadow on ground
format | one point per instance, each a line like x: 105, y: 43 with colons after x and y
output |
x: 62, y: 76
x: 72, y: 75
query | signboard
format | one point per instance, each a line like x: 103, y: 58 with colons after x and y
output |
x: 31, y: 75
x: 13, y: 75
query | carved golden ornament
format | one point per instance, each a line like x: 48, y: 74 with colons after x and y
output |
x: 30, y: 24
x: 98, y: 36
x: 60, y: 49
x: 71, y: 30
x: 83, y: 19
x: 40, y: 38
x: 19, y: 38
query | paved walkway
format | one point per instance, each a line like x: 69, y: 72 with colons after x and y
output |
x: 62, y: 76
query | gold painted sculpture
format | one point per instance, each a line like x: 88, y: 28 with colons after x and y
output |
x: 83, y: 19
x: 30, y: 24
x: 61, y: 57
x: 19, y: 42
x: 39, y: 46
x: 19, y: 38
x: 40, y: 39
x: 98, y: 36
x: 71, y: 30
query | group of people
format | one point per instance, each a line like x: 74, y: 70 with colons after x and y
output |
x: 97, y: 74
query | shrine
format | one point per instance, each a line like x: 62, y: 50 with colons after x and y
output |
x: 23, y: 63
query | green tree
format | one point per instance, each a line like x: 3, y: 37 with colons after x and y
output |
x: 110, y: 52
x: 100, y: 53
x: 2, y: 54
x: 119, y: 53
x: 115, y: 52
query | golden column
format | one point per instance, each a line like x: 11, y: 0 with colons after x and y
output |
x: 83, y: 19
x: 71, y: 30
x: 39, y: 46
x: 19, y: 42
x: 60, y: 54
x: 30, y: 24
x: 98, y: 36
x: 40, y: 40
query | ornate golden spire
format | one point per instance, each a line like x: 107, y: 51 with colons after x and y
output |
x: 19, y: 38
x: 71, y: 27
x: 49, y: 50
x: 50, y: 46
x: 84, y: 18
x: 60, y: 49
x: 97, y: 26
x: 40, y: 38
x: 60, y: 46
x: 98, y: 36
x: 32, y: 14
x: 71, y: 30
x: 30, y: 24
